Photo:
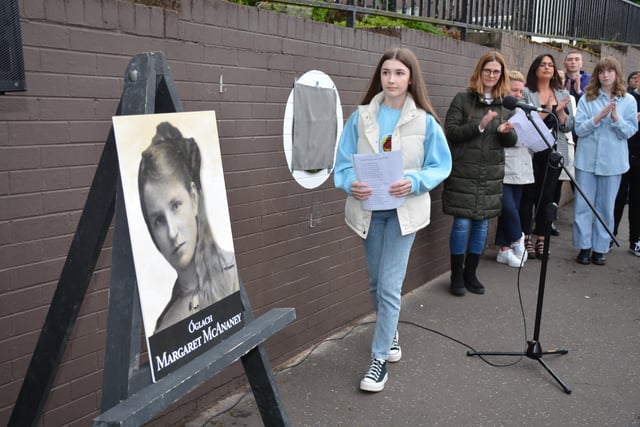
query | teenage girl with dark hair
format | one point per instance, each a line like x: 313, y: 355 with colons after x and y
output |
x: 395, y: 115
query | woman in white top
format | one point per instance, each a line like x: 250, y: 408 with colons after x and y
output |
x: 518, y: 171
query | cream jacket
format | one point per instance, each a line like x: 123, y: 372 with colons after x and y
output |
x: 415, y: 133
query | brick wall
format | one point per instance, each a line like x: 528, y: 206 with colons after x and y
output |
x: 52, y: 135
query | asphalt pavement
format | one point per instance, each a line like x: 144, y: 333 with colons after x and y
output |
x: 592, y: 312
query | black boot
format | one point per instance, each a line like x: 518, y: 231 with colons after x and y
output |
x: 470, y: 280
x: 457, y: 282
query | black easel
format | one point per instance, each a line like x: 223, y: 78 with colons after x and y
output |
x: 129, y: 398
x: 534, y: 348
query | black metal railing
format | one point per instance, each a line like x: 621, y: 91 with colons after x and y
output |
x: 615, y: 21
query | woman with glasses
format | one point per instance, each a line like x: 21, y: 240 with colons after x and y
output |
x: 544, y: 89
x: 477, y: 129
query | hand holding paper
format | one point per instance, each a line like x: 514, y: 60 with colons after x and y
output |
x: 379, y: 171
x: 527, y: 133
x: 361, y: 190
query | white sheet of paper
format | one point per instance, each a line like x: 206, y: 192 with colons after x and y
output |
x: 527, y: 133
x: 379, y: 171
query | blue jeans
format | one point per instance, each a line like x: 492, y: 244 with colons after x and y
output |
x: 474, y: 229
x: 387, y: 253
x: 509, y: 228
x: 601, y: 191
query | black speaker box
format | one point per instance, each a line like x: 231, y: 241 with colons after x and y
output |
x: 11, y: 59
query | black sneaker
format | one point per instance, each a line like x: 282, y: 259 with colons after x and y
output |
x: 634, y: 248
x: 598, y: 258
x: 376, y: 376
x: 395, y: 352
x: 584, y: 257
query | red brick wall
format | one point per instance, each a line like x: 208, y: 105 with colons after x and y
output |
x: 51, y: 138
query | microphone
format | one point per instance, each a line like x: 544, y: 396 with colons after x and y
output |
x: 511, y: 102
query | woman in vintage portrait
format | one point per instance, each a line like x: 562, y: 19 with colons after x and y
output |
x: 173, y: 208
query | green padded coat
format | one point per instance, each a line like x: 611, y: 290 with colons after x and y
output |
x: 474, y: 188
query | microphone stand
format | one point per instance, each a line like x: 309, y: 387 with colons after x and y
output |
x: 534, y: 348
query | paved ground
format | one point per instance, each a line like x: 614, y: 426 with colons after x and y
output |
x: 591, y: 311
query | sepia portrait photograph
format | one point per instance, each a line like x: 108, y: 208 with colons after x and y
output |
x: 178, y: 217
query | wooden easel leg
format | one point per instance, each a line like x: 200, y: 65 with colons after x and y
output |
x: 265, y: 390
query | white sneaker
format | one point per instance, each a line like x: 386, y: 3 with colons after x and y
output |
x: 519, y: 250
x: 376, y: 376
x: 508, y: 257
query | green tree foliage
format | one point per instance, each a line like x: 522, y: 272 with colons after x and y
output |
x: 375, y: 21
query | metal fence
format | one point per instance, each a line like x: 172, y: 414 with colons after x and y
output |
x: 596, y: 20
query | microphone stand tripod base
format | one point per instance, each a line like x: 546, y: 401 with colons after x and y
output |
x: 534, y: 351
x: 554, y: 165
